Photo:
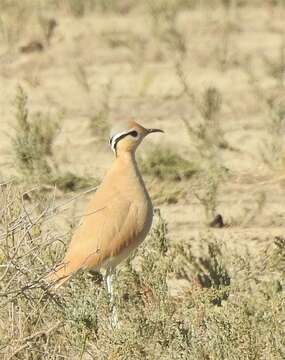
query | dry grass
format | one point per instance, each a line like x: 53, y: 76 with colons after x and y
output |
x: 232, y: 305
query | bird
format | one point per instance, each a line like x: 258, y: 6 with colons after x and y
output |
x: 117, y: 218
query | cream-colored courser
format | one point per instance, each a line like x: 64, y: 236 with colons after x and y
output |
x: 118, y: 217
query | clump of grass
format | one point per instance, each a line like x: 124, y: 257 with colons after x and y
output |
x: 167, y: 192
x: 71, y: 182
x: 209, y: 269
x: 32, y: 149
x: 32, y: 143
x: 233, y: 304
x: 168, y: 170
x: 164, y: 164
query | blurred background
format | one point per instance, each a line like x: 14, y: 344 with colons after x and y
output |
x: 211, y: 74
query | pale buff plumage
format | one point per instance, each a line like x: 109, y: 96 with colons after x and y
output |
x: 118, y: 217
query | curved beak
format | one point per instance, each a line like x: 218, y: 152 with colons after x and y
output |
x: 150, y: 131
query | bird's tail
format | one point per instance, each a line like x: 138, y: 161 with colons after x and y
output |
x: 58, y: 276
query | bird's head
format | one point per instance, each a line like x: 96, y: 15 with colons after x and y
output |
x: 126, y: 136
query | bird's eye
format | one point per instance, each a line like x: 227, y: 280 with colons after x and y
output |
x: 133, y: 133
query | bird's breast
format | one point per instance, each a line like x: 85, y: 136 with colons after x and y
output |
x: 143, y: 214
x: 141, y: 210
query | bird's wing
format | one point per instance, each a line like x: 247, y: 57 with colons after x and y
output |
x: 105, y: 230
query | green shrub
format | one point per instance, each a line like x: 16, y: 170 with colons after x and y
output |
x: 32, y: 150
x: 164, y: 164
x: 71, y: 182
x: 33, y: 139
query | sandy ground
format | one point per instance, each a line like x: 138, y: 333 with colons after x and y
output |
x: 69, y: 77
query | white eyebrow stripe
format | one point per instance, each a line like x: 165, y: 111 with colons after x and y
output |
x: 116, y: 138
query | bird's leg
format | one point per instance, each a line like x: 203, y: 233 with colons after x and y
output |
x: 109, y: 279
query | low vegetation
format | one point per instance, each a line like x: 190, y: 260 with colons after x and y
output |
x: 32, y: 143
x: 209, y: 141
x: 168, y: 173
x: 32, y: 150
x: 231, y: 305
x: 164, y: 164
x: 193, y: 292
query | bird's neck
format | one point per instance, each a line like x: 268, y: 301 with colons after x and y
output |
x: 125, y: 162
x: 125, y: 165
x: 125, y: 158
x: 126, y: 173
